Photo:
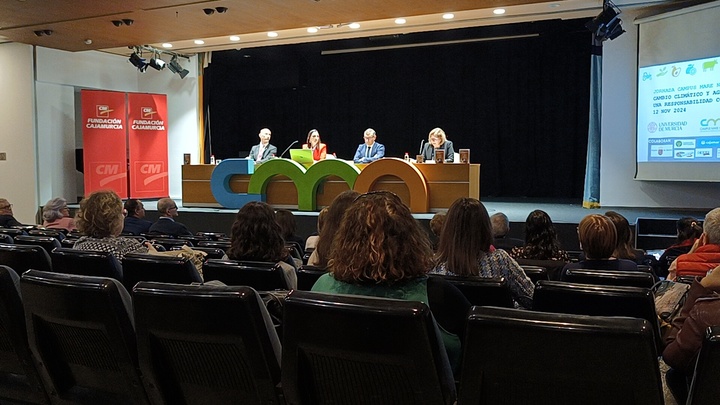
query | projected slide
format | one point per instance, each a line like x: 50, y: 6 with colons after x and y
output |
x: 678, y: 116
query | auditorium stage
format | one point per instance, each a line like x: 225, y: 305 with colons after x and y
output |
x: 566, y: 214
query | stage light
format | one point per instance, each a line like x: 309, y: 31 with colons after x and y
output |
x: 175, y: 67
x: 607, y: 24
x: 157, y: 63
x: 138, y: 62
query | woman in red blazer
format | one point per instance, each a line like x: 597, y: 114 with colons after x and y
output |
x: 313, y: 142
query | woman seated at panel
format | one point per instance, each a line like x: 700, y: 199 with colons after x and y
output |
x: 313, y: 143
x: 100, y: 220
x: 56, y: 215
x: 438, y: 141
x: 380, y: 250
x: 256, y: 236
x: 465, y: 249
x: 624, y: 248
x: 598, y: 240
x: 688, y: 231
x: 541, y: 241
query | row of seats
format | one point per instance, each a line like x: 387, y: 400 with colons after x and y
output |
x: 207, y: 344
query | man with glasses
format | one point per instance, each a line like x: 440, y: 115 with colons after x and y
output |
x: 166, y: 224
x: 369, y: 151
x: 6, y: 214
x: 264, y: 150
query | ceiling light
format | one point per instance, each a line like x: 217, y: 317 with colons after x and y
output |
x: 234, y: 38
x: 42, y: 33
x: 128, y: 21
x: 167, y: 45
x: 499, y: 11
x: 272, y: 34
x: 199, y: 42
x: 312, y: 30
x: 400, y: 21
x: 175, y: 67
x: 354, y: 26
x: 448, y: 16
x: 221, y: 10
x: 209, y: 11
x: 138, y: 62
x: 117, y: 23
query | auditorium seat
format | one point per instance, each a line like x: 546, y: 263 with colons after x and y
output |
x: 80, y: 329
x: 262, y: 276
x: 168, y: 243
x: 5, y: 238
x: 575, y: 255
x: 220, y: 244
x: 211, y: 235
x: 19, y: 379
x: 553, y: 267
x: 535, y: 273
x: 295, y: 249
x: 212, y: 253
x: 165, y: 269
x: 23, y: 257
x: 307, y: 276
x: 86, y: 263
x: 194, y: 239
x: 362, y: 350
x: 12, y: 231
x: 46, y: 242
x: 206, y: 345
x: 609, y: 277
x: 493, y: 291
x: 55, y: 233
x: 514, y: 356
x: 597, y: 300
x: 705, y: 388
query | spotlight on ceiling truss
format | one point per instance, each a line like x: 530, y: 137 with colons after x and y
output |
x: 175, y: 67
x: 138, y: 62
x: 607, y: 24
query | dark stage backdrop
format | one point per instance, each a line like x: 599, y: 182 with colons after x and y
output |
x: 520, y: 104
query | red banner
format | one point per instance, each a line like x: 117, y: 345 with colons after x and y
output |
x: 104, y: 145
x: 148, y: 145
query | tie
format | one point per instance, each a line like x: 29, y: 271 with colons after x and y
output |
x: 367, y: 151
x: 261, y: 150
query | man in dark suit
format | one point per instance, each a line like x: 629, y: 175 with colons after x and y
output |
x: 134, y: 222
x: 369, y: 151
x: 264, y: 150
x: 166, y: 224
x: 6, y: 214
x: 501, y: 227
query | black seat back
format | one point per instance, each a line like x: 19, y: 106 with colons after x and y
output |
x: 12, y: 231
x: 553, y: 267
x: 55, y: 233
x: 168, y: 243
x: 81, y: 331
x: 46, y: 242
x: 206, y: 344
x: 86, y: 263
x: 362, y: 350
x: 221, y: 244
x: 493, y: 291
x: 705, y: 388
x: 609, y: 277
x: 210, y: 235
x: 165, y: 269
x: 262, y: 276
x: 535, y: 273
x: 560, y: 359
x: 24, y: 257
x: 19, y: 379
x: 307, y: 276
x: 5, y: 238
x: 597, y: 300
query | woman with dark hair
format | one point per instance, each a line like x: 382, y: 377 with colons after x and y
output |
x: 465, y: 249
x: 319, y: 149
x: 100, y: 220
x: 541, y: 241
x: 598, y: 240
x: 624, y: 248
x: 688, y: 231
x: 256, y: 236
x: 380, y: 250
x: 288, y: 227
x: 330, y: 225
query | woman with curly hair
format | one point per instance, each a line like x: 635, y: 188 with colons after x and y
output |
x: 100, y: 220
x: 329, y: 228
x: 256, y: 236
x: 541, y: 241
x: 380, y: 250
x: 465, y: 249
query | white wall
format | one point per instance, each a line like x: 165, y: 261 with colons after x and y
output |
x: 617, y: 162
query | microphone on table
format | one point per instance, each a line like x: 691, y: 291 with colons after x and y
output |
x: 422, y: 143
x: 288, y: 148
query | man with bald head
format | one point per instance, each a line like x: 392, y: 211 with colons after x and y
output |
x: 264, y: 150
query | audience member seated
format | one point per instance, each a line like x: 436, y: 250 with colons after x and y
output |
x: 6, y: 215
x: 541, y: 242
x: 704, y: 253
x: 134, y: 222
x: 701, y: 310
x: 166, y: 224
x: 436, y: 224
x: 100, y: 220
x: 288, y: 227
x: 598, y: 239
x: 624, y: 248
x: 500, y: 230
x: 465, y: 249
x: 337, y: 208
x: 312, y: 240
x: 255, y: 236
x: 381, y: 250
x: 688, y: 231
x: 56, y: 214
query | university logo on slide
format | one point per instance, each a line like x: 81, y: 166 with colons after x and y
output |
x: 147, y: 113
x: 104, y: 174
x: 103, y: 111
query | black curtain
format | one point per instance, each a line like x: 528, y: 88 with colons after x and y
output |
x: 520, y: 104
